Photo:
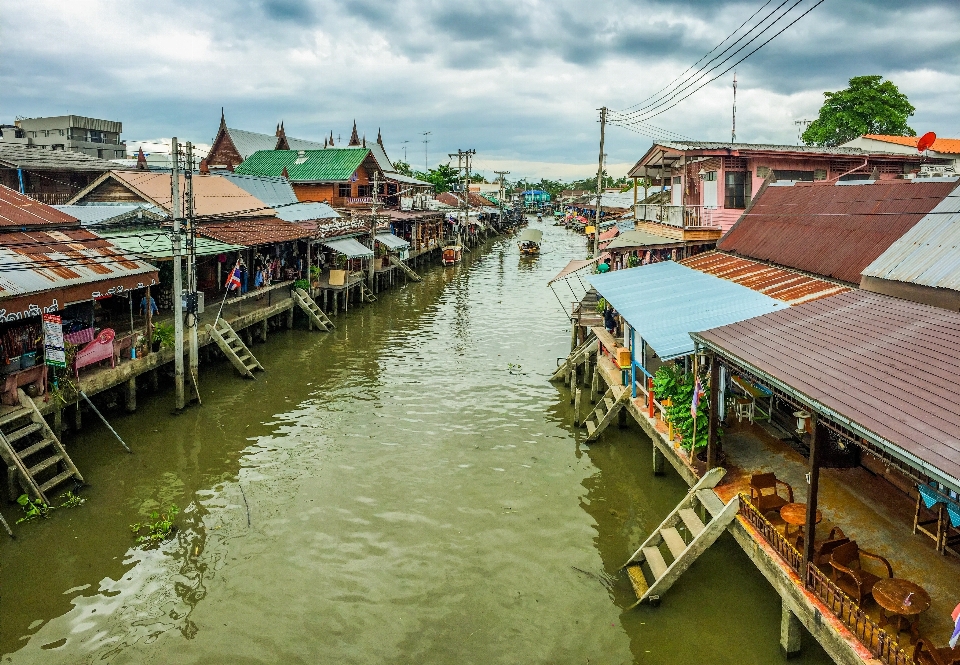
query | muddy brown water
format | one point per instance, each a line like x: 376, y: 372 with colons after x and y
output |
x: 408, y: 489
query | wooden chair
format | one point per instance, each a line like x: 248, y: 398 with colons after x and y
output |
x: 850, y: 576
x: 927, y: 654
x: 822, y: 549
x: 764, y: 494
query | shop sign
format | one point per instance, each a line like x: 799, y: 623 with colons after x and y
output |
x: 53, y: 347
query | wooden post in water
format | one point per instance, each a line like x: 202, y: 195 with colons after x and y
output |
x: 573, y: 383
x: 817, y: 446
x: 576, y: 409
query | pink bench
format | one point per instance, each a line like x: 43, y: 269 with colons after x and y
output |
x: 101, y: 348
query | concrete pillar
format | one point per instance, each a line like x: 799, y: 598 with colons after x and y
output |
x: 622, y: 418
x: 77, y: 417
x: 263, y: 329
x: 790, y: 628
x: 573, y: 383
x: 130, y: 394
x: 576, y: 409
x: 58, y: 420
x: 658, y: 460
x: 154, y: 379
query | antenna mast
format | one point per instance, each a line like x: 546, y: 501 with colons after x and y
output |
x: 733, y: 131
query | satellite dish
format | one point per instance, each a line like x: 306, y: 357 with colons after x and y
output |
x: 926, y: 141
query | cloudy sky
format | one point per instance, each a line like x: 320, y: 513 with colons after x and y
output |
x: 518, y: 80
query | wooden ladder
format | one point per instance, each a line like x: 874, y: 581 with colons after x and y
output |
x: 233, y: 347
x: 35, y: 458
x: 607, y: 409
x: 576, y: 358
x: 365, y: 293
x: 312, y: 310
x: 394, y: 260
x: 682, y: 550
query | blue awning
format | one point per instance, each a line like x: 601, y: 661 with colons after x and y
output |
x: 665, y: 302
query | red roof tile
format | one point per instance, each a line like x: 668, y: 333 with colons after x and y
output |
x: 949, y: 146
x: 831, y: 229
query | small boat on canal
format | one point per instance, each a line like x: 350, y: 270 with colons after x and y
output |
x: 529, y: 242
x: 451, y: 255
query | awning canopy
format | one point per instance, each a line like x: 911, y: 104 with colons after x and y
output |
x: 391, y: 241
x: 571, y: 268
x: 349, y: 248
x: 156, y: 243
x: 530, y: 235
x: 664, y: 302
x: 641, y: 239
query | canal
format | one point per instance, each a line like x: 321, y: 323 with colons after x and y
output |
x: 408, y: 489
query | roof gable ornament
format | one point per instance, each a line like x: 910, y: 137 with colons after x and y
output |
x: 354, y: 139
x: 379, y: 138
x: 142, y: 160
x: 284, y: 173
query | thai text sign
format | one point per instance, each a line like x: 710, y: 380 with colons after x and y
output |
x: 53, y: 341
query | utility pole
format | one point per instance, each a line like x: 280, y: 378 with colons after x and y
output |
x: 177, y: 277
x: 375, y: 203
x: 733, y: 131
x: 463, y: 163
x: 596, y: 224
x: 405, y: 152
x: 426, y: 145
x: 192, y: 298
x: 502, y: 192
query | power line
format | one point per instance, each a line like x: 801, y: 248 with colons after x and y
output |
x: 728, y: 69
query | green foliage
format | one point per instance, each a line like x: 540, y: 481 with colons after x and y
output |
x: 157, y: 529
x: 670, y: 382
x: 37, y: 508
x: 165, y: 333
x: 403, y: 168
x: 601, y: 305
x: 315, y: 272
x: 443, y: 178
x: 869, y: 106
x: 476, y: 177
x: 633, y: 261
x: 301, y: 284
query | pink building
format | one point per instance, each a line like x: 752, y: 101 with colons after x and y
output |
x: 711, y: 184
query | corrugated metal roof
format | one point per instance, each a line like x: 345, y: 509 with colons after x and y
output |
x: 19, y: 211
x: 248, y: 143
x: 664, y: 302
x: 889, y: 366
x: 927, y: 254
x: 946, y: 146
x: 830, y: 230
x: 14, y: 155
x: 156, y: 244
x: 392, y: 241
x: 278, y: 193
x: 785, y: 285
x: 253, y: 232
x: 636, y: 239
x: 302, y: 144
x: 60, y: 266
x: 349, y: 247
x: 330, y: 165
x: 405, y: 179
x: 763, y: 147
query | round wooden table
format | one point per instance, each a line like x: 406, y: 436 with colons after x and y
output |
x: 795, y: 514
x: 891, y: 595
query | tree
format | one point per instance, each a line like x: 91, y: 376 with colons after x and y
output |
x: 443, y: 178
x: 476, y: 177
x: 869, y: 106
x: 403, y: 168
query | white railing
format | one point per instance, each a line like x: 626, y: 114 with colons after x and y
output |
x: 682, y: 217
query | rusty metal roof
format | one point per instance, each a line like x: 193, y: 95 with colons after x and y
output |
x: 19, y: 212
x: 13, y: 155
x: 254, y: 232
x: 835, y: 230
x: 49, y: 269
x: 788, y: 286
x: 882, y: 367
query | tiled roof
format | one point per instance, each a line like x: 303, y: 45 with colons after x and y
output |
x: 253, y: 232
x: 19, y: 211
x: 948, y: 146
x: 20, y: 156
x: 927, y: 254
x: 785, y: 285
x: 831, y: 230
x: 330, y: 165
x: 886, y: 365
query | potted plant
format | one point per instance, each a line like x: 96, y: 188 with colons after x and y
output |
x: 315, y: 273
x: 163, y: 335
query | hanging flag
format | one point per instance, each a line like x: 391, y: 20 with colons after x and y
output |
x: 233, y: 280
x: 956, y: 627
x: 697, y: 394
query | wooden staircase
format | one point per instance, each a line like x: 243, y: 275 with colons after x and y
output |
x: 607, y: 409
x: 685, y: 537
x: 233, y: 347
x: 394, y: 260
x: 36, y: 461
x: 576, y: 358
x: 312, y: 310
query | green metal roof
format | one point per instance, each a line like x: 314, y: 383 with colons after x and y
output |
x: 332, y: 164
x: 152, y: 243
